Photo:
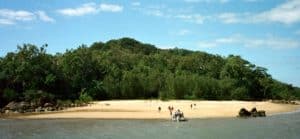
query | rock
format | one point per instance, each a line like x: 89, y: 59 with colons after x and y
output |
x: 253, y: 110
x: 39, y: 109
x: 261, y: 113
x: 253, y: 113
x: 20, y: 110
x: 11, y: 106
x: 8, y: 111
x: 48, y: 105
x: 23, y: 106
x: 285, y: 102
x: 33, y: 104
x: 49, y: 109
x: 19, y: 107
x: 30, y: 110
x: 244, y: 113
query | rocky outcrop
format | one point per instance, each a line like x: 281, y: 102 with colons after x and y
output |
x: 24, y: 107
x: 244, y: 113
x: 253, y: 113
x: 285, y: 102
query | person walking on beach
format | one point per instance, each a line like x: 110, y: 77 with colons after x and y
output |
x: 159, y: 109
x: 191, y: 106
x: 170, y: 109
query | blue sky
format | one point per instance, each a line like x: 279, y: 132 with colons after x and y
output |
x: 265, y: 32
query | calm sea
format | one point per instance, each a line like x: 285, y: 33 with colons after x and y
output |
x: 285, y: 126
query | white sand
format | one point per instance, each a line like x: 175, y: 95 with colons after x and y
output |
x: 148, y: 109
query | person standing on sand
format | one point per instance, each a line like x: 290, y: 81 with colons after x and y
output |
x: 159, y: 109
x: 170, y: 109
x: 191, y: 106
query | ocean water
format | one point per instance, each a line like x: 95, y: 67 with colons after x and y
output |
x: 285, y: 126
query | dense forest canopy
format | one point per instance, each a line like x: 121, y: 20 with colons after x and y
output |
x: 128, y: 69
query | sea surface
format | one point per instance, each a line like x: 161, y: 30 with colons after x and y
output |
x: 284, y: 126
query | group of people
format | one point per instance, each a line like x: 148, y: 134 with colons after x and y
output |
x: 171, y: 108
x: 193, y: 105
x: 177, y: 115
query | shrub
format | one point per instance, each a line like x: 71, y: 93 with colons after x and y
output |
x: 39, y: 97
x: 84, y: 97
x: 9, y: 94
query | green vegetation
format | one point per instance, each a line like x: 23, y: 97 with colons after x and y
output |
x: 128, y: 69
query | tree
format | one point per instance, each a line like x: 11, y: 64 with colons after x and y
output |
x: 129, y: 69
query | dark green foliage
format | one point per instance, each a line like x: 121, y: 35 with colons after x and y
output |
x: 38, y: 97
x: 128, y: 69
x: 84, y: 96
x: 10, y: 95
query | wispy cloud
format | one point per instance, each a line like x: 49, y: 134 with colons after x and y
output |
x: 84, y: 9
x: 229, y: 18
x: 194, y: 18
x: 165, y: 12
x: 252, y: 0
x: 6, y: 22
x: 110, y: 8
x: 155, y: 12
x: 286, y: 13
x: 238, y: 40
x: 10, y: 17
x: 136, y: 4
x: 218, y: 1
x: 13, y: 15
x: 207, y: 1
x: 183, y: 32
x: 44, y: 17
x: 90, y: 8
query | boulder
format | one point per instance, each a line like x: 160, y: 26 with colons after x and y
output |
x: 33, y: 104
x: 253, y: 110
x: 49, y: 109
x: 253, y: 113
x: 8, y: 111
x: 30, y: 110
x: 244, y: 113
x: 60, y: 108
x: 48, y: 105
x: 11, y: 106
x: 261, y: 113
x: 39, y: 109
x: 24, y: 105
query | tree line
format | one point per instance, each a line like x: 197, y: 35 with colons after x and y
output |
x: 128, y: 69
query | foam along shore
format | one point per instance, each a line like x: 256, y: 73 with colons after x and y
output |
x: 148, y: 109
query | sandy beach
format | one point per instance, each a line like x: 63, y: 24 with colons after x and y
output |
x: 148, y: 109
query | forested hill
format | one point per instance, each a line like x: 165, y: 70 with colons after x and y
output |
x: 128, y: 69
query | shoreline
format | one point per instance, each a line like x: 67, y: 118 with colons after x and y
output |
x: 148, y: 110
